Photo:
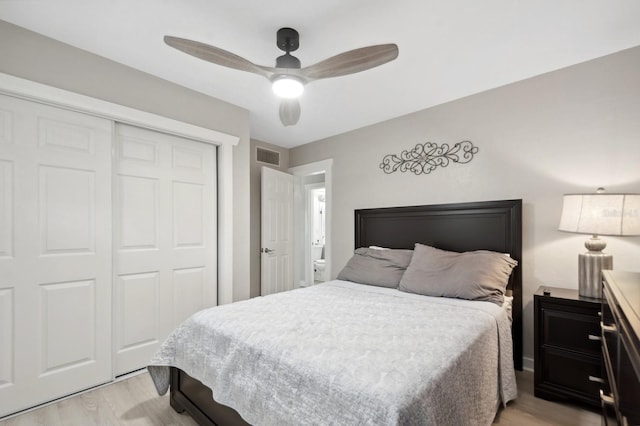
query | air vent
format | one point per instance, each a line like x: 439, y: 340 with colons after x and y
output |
x: 268, y: 157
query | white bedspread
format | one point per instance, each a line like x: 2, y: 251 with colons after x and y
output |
x: 344, y: 354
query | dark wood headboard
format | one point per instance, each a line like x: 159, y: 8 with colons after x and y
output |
x: 487, y: 225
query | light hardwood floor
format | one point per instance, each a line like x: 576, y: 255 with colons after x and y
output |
x: 528, y: 410
x: 134, y: 401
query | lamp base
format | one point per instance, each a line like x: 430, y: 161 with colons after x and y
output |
x: 590, y: 266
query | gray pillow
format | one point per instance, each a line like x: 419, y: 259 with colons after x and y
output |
x: 473, y: 275
x: 382, y: 268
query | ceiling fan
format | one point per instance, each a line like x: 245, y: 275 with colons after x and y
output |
x: 288, y: 77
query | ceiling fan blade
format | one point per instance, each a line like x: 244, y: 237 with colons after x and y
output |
x: 216, y: 55
x: 289, y: 112
x: 352, y: 61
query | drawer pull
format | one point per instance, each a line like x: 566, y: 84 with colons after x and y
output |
x: 608, y: 328
x: 593, y: 337
x: 596, y: 379
x: 607, y: 399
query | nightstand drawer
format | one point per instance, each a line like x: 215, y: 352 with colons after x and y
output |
x: 578, y: 374
x: 571, y: 330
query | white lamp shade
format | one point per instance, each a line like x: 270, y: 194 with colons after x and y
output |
x: 601, y: 214
x: 287, y: 87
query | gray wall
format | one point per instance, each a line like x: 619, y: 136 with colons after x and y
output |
x: 571, y: 130
x: 31, y: 56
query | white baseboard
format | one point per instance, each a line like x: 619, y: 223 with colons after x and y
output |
x: 527, y: 363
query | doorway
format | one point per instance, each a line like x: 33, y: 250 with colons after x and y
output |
x: 315, y: 232
x: 312, y: 216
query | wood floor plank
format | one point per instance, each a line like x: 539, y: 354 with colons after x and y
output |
x: 528, y: 410
x: 134, y: 402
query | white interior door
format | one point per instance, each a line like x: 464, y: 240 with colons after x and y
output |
x: 55, y: 253
x: 276, y: 273
x: 165, y: 239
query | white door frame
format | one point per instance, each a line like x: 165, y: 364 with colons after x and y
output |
x: 323, y: 166
x: 30, y: 90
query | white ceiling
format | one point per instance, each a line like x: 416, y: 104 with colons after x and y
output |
x: 448, y: 49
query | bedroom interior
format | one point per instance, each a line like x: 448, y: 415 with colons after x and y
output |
x: 538, y: 135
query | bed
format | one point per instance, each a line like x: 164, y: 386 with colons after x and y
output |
x: 313, y: 382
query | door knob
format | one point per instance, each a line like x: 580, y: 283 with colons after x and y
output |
x: 267, y: 250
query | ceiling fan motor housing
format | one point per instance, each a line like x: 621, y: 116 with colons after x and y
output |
x: 288, y: 39
x: 287, y: 61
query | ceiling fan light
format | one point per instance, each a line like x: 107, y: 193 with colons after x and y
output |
x: 287, y: 87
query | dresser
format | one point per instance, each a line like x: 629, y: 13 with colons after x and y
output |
x: 620, y: 309
x: 567, y: 343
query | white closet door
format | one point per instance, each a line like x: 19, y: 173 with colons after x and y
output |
x: 164, y: 239
x: 55, y: 253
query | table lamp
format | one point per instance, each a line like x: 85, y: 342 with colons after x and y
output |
x: 598, y: 214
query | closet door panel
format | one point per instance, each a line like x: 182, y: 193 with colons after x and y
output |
x: 66, y: 197
x: 60, y: 349
x: 188, y: 292
x: 138, y: 317
x: 6, y: 337
x: 55, y: 263
x: 188, y: 215
x: 6, y: 209
x: 6, y: 126
x: 138, y: 227
x: 165, y: 238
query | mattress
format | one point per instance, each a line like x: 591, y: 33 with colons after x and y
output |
x: 341, y: 353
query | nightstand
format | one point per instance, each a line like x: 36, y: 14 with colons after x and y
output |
x: 567, y: 344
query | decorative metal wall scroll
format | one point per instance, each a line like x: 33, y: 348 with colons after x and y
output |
x: 425, y: 158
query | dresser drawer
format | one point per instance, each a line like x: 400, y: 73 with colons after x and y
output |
x: 628, y: 383
x: 578, y: 331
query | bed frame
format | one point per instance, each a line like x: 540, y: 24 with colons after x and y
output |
x: 489, y: 225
